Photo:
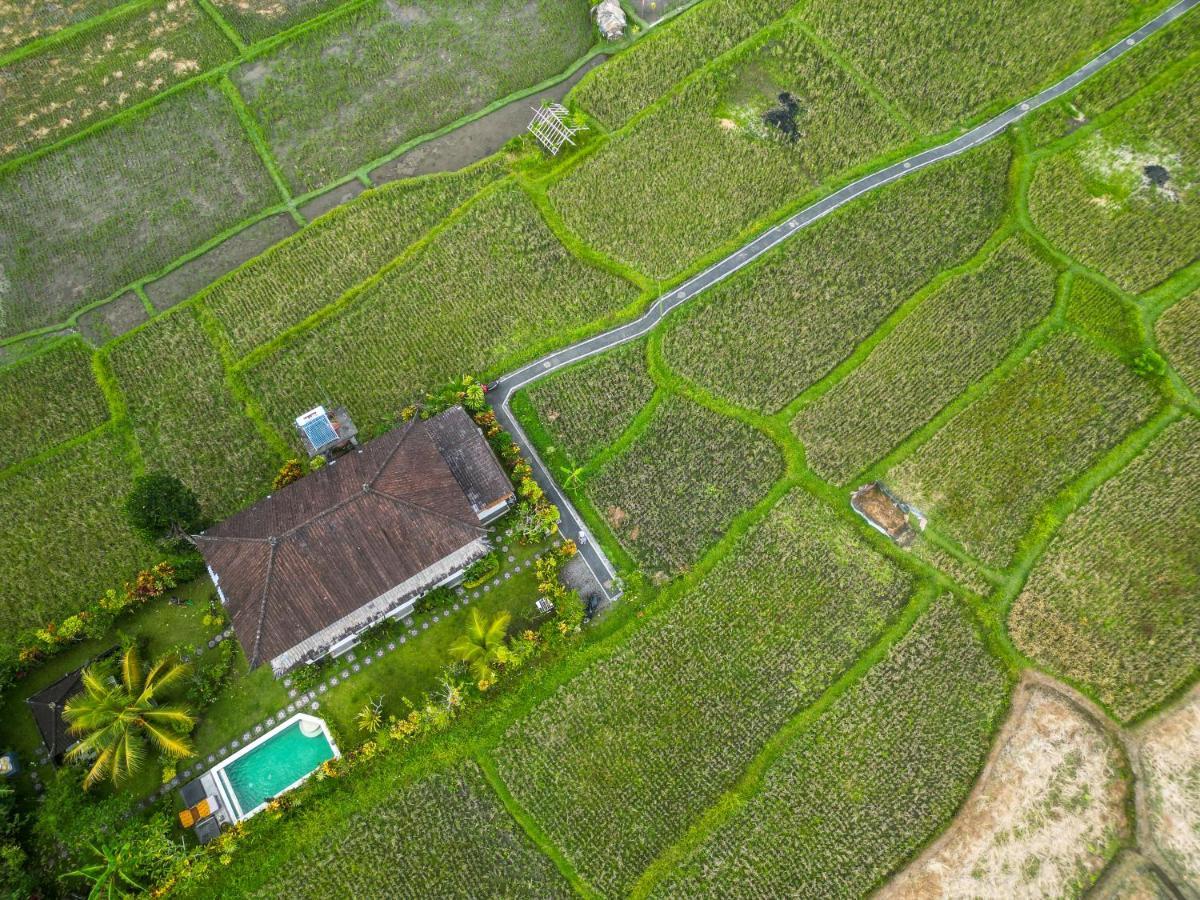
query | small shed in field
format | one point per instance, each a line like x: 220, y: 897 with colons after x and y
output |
x: 883, y: 512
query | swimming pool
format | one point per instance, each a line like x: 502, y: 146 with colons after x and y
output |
x: 277, y: 762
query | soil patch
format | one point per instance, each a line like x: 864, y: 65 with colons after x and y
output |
x: 882, y: 510
x: 99, y: 326
x: 1157, y: 175
x: 206, y: 268
x: 783, y: 116
x: 1043, y: 815
x: 323, y: 203
x: 475, y: 140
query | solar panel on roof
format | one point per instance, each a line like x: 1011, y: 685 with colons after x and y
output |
x: 320, y: 431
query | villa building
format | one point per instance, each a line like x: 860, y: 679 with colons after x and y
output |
x: 304, y: 572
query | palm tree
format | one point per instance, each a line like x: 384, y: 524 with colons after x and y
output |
x: 114, y: 718
x: 482, y: 645
x: 111, y: 874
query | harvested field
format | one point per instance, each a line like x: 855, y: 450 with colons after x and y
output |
x: 636, y: 78
x: 99, y: 326
x: 762, y: 337
x: 1108, y: 317
x: 63, y: 515
x: 185, y: 418
x: 1115, y: 601
x: 22, y: 22
x: 47, y: 399
x: 445, y: 835
x: 1170, y: 765
x: 586, y: 407
x: 295, y: 279
x: 709, y: 164
x: 677, y: 488
x: 1178, y: 333
x: 946, y: 64
x: 1126, y: 199
x: 96, y: 74
x: 491, y: 287
x: 87, y: 220
x: 347, y: 93
x: 1045, y: 818
x: 954, y: 337
x: 869, y: 782
x: 992, y: 467
x: 629, y: 752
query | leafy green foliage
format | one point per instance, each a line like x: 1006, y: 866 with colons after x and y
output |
x: 121, y: 203
x: 947, y: 63
x: 49, y: 398
x: 160, y: 505
x: 679, y: 485
x: 347, y: 93
x: 1115, y: 601
x: 1178, y: 331
x: 1126, y: 199
x: 628, y: 753
x: 955, y: 336
x: 586, y: 407
x: 870, y: 782
x: 763, y: 337
x: 988, y: 472
x: 185, y: 418
x: 294, y: 279
x: 493, y: 284
x: 708, y: 165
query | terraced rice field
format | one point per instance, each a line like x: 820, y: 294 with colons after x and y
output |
x: 1178, y: 332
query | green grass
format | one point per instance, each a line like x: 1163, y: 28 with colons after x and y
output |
x: 955, y: 336
x: 21, y: 23
x: 48, y: 399
x: 348, y: 92
x: 1102, y: 314
x: 1114, y: 603
x: 258, y: 19
x: 493, y: 284
x: 676, y: 489
x: 870, y: 782
x: 1178, y: 332
x: 1096, y: 202
x: 764, y: 336
x: 294, y: 279
x: 63, y: 537
x: 634, y: 79
x: 984, y: 476
x: 948, y: 63
x: 99, y: 72
x: 121, y: 203
x: 185, y: 419
x: 625, y: 755
x: 704, y: 165
x: 586, y: 407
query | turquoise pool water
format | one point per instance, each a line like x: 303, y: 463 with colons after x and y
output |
x: 275, y: 764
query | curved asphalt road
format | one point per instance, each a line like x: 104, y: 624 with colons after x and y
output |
x: 499, y: 396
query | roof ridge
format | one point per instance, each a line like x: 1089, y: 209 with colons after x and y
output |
x: 408, y: 427
x: 475, y: 526
x: 262, y: 609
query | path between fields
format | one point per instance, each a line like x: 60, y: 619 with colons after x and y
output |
x: 500, y: 396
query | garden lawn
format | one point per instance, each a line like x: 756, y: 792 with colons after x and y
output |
x: 763, y: 336
x: 955, y: 336
x: 706, y: 165
x: 1126, y: 199
x: 947, y: 63
x: 121, y: 203
x: 586, y: 407
x: 1178, y: 332
x: 631, y: 81
x: 47, y: 399
x: 868, y: 783
x: 294, y: 279
x: 1114, y: 603
x: 63, y: 536
x: 99, y: 72
x: 985, y: 476
x: 678, y: 487
x: 346, y: 93
x: 490, y: 288
x: 21, y: 23
x: 627, y: 754
x: 186, y: 421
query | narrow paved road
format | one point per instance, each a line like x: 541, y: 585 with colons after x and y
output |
x: 500, y: 396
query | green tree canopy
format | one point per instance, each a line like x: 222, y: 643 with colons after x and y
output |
x: 482, y: 646
x: 161, y: 505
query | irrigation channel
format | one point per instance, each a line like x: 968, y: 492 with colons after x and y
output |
x: 500, y: 393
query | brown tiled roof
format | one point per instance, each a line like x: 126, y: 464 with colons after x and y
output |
x: 322, y: 547
x: 469, y: 457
